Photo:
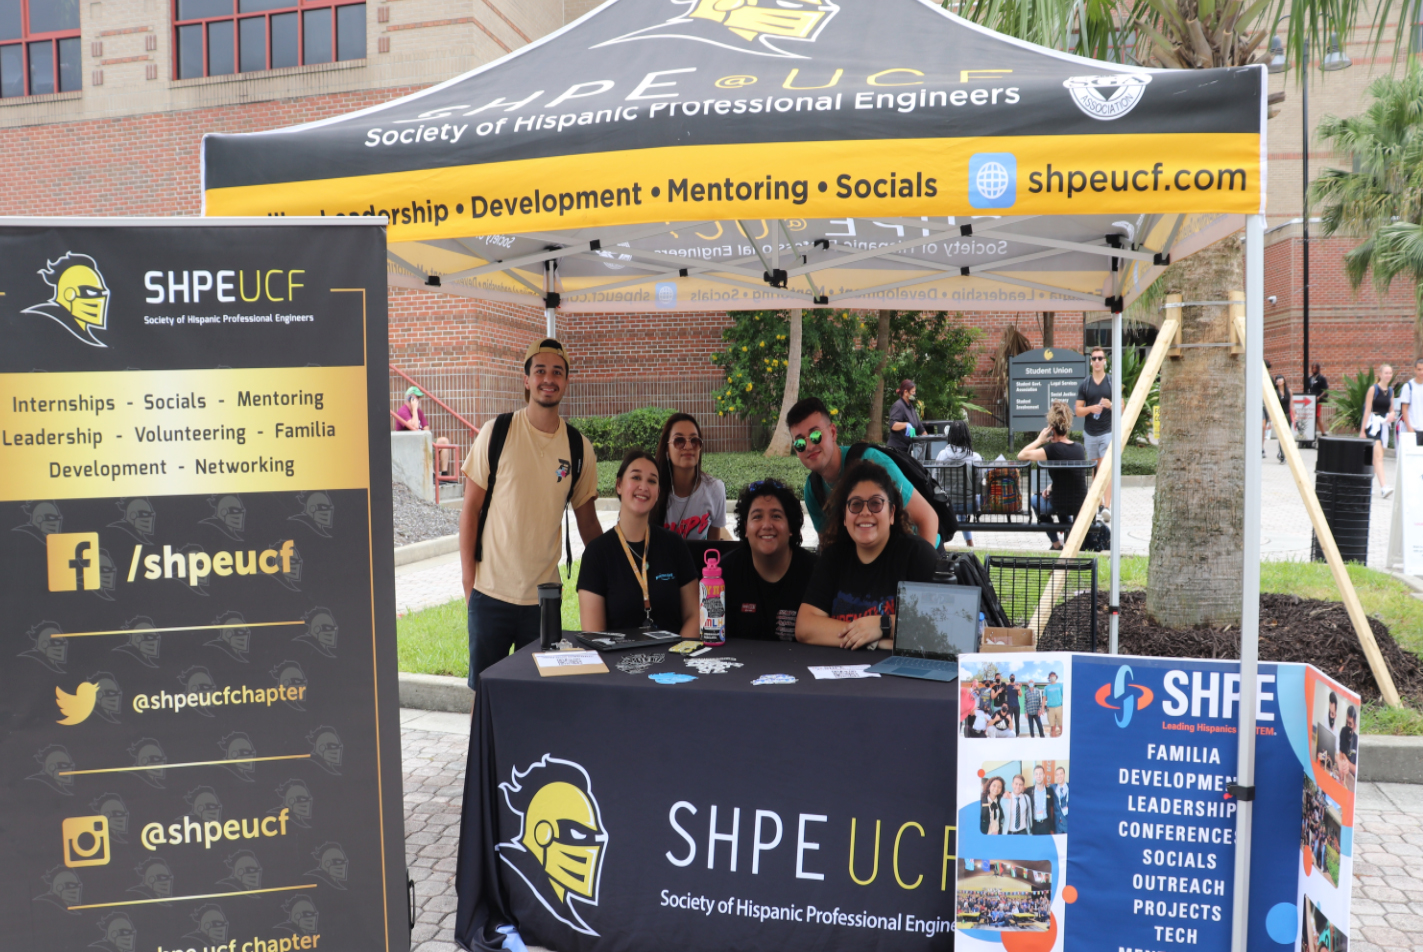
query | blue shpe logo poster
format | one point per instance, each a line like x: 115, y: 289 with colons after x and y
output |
x: 993, y: 180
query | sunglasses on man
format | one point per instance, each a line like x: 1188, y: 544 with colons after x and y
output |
x: 799, y: 443
x: 1098, y: 359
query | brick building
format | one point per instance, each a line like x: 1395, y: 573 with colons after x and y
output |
x: 103, y: 105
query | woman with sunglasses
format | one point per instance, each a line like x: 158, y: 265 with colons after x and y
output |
x: 693, y: 504
x: 766, y: 576
x: 850, y: 602
x: 637, y: 575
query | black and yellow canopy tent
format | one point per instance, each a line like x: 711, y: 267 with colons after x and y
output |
x: 734, y: 154
x: 726, y: 154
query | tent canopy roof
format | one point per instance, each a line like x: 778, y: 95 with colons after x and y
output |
x: 725, y: 154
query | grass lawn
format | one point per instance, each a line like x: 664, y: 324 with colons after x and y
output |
x: 738, y: 469
x: 434, y: 641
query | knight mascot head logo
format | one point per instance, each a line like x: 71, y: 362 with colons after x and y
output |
x: 747, y: 26
x: 80, y: 301
x: 558, y: 849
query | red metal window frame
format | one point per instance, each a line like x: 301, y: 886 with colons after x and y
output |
x: 53, y: 36
x: 235, y: 19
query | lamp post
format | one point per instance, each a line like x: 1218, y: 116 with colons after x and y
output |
x: 1334, y: 60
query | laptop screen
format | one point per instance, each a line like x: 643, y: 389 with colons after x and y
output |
x: 936, y: 621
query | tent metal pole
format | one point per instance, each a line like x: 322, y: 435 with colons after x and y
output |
x: 550, y: 313
x: 1250, y: 574
x: 1118, y: 439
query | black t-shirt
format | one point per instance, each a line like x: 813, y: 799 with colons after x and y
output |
x: 606, y: 572
x: 756, y: 608
x: 845, y: 588
x: 1092, y: 393
x: 902, y: 412
x: 1069, y: 486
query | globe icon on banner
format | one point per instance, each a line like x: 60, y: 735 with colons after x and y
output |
x: 992, y: 180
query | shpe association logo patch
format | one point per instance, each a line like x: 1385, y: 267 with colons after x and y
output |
x: 993, y: 180
x: 1128, y: 697
x: 1107, y: 97
x: 80, y: 299
x: 558, y: 849
x: 749, y: 26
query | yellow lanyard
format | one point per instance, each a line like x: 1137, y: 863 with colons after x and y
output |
x: 641, y: 576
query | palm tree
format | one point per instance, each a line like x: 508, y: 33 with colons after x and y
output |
x: 1382, y: 201
x: 1196, y: 540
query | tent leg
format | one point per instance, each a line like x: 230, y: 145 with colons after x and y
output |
x: 1250, y: 574
x: 1118, y: 440
x: 550, y: 313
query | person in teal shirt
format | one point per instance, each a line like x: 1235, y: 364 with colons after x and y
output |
x: 1053, y: 695
x: 813, y: 437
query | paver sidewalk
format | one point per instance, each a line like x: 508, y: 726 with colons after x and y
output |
x: 1388, y: 838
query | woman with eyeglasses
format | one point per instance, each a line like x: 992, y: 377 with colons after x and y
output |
x: 766, y: 576
x: 693, y: 504
x: 850, y: 602
x: 637, y: 575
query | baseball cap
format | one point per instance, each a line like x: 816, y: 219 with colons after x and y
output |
x: 414, y: 392
x: 546, y: 346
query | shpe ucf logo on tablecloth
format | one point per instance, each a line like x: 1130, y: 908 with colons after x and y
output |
x: 558, y: 849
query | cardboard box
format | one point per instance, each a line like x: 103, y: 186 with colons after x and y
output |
x: 1007, y: 639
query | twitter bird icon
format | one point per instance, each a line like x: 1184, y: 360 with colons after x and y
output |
x: 76, y: 707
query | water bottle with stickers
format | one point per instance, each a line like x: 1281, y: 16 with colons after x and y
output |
x: 712, y: 595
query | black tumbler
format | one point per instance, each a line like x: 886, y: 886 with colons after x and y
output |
x: 550, y: 615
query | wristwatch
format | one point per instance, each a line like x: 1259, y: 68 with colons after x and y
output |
x: 884, y: 626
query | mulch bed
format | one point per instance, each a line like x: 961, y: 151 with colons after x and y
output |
x: 1291, y: 629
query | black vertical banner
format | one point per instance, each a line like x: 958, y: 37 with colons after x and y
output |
x: 199, y: 731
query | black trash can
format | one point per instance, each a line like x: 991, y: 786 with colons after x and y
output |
x: 1343, y: 481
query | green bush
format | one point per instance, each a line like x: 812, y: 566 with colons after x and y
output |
x: 613, y: 436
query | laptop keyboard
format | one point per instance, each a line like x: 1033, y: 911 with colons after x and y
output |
x: 920, y: 663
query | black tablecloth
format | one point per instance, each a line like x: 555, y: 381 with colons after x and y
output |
x: 635, y: 774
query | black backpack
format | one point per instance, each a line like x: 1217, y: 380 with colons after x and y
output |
x: 913, y: 471
x: 496, y: 449
x: 1098, y: 538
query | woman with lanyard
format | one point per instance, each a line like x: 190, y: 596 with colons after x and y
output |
x: 904, y: 422
x: 637, y: 575
x: 693, y: 504
x: 1377, y: 420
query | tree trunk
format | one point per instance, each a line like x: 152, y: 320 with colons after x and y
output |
x: 1047, y: 321
x: 874, y: 433
x: 781, y: 438
x: 1194, y: 573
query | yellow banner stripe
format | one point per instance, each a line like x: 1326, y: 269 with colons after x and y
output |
x: 1159, y: 174
x: 224, y: 895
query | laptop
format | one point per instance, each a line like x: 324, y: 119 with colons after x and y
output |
x: 625, y: 638
x: 935, y: 623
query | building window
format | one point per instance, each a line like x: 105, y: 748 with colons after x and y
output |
x: 218, y: 37
x: 39, y: 47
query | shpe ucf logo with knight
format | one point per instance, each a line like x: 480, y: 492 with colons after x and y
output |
x: 79, y: 299
x: 558, y: 847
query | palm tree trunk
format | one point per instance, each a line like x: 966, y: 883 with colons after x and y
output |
x: 1194, y: 573
x: 1047, y: 325
x: 874, y: 433
x: 781, y: 438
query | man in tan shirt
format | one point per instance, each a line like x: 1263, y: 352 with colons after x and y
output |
x: 520, y: 543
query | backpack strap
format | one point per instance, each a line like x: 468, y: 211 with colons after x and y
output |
x: 497, y: 438
x: 575, y: 459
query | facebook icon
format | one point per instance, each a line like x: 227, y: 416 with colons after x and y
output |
x: 73, y: 561
x: 993, y: 180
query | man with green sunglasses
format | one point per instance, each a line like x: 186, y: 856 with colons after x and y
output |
x: 813, y: 440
